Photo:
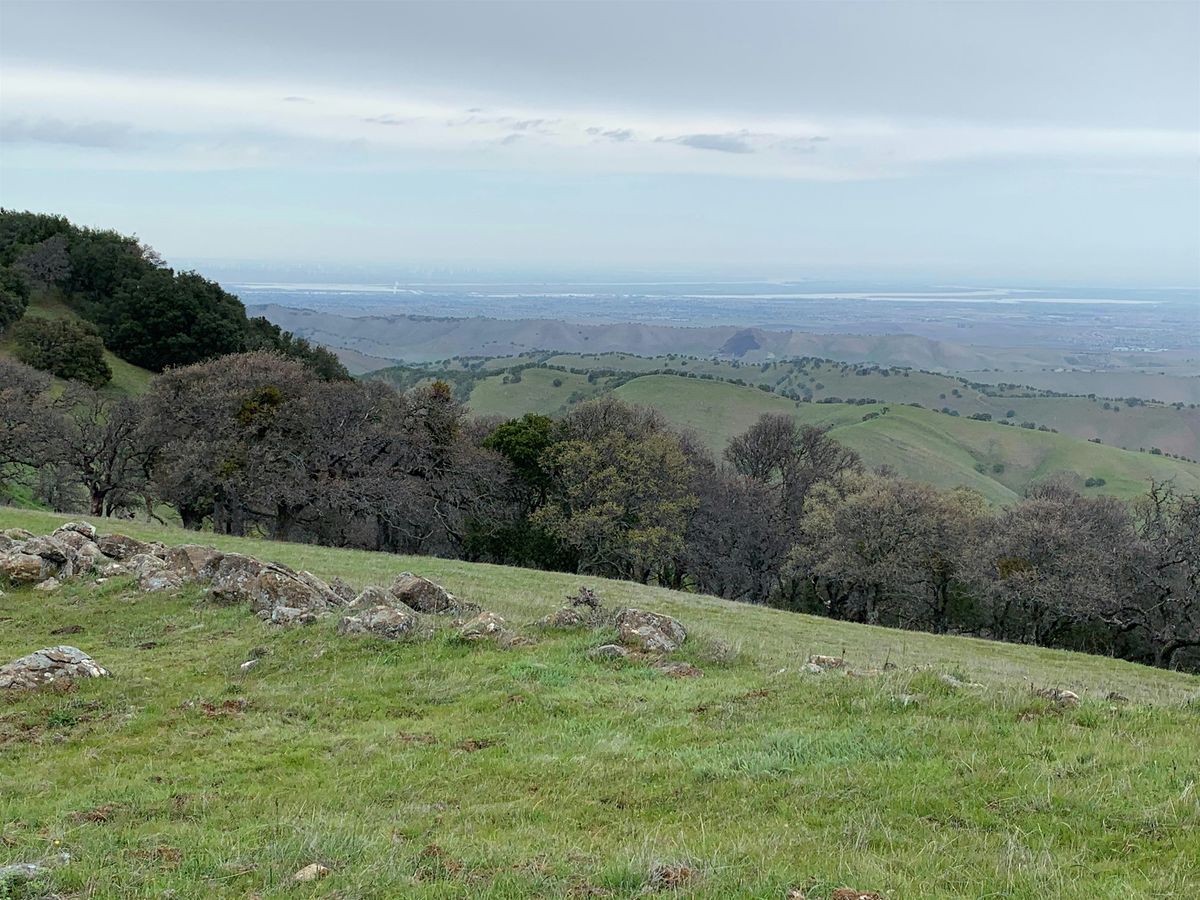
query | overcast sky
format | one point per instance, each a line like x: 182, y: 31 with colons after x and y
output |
x: 961, y: 140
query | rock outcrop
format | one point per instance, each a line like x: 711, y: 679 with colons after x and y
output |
x: 392, y: 622
x: 427, y: 596
x: 48, y: 666
x: 484, y: 626
x: 649, y: 631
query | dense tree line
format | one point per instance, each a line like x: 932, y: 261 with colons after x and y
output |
x: 143, y: 311
x: 257, y: 443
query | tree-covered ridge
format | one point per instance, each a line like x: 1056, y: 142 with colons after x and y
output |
x: 146, y: 313
x: 784, y: 515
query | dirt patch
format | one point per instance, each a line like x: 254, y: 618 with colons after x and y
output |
x: 473, y: 745
x: 409, y: 738
x: 97, y: 815
x: 68, y: 629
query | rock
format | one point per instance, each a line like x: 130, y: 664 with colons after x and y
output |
x: 827, y: 662
x: 17, y: 534
x: 84, y: 528
x: 67, y: 629
x: 391, y: 621
x: 6, y: 544
x: 50, y: 549
x: 650, y: 631
x: 111, y: 570
x: 311, y: 872
x: 47, y: 666
x: 852, y: 894
x: 118, y: 546
x: 1116, y: 697
x: 370, y: 597
x: 72, y: 540
x: 608, y: 651
x: 279, y: 586
x: 812, y: 669
x: 424, y: 595
x: 290, y: 615
x: 143, y: 564
x: 248, y: 665
x: 679, y: 670
x: 153, y: 582
x: 88, y: 558
x: 343, y: 589
x: 231, y: 577
x: 485, y: 625
x: 24, y: 568
x: 567, y: 617
x: 49, y: 585
x: 1060, y: 696
x: 189, y: 560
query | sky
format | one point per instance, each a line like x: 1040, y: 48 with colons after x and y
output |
x: 1001, y: 142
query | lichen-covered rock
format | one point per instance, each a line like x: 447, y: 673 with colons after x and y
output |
x: 279, y: 586
x: 156, y: 580
x: 424, y: 595
x: 375, y: 596
x: 119, y: 546
x: 232, y: 577
x: 650, y: 631
x: 392, y: 621
x: 86, y: 529
x: 567, y: 617
x: 88, y: 559
x: 6, y: 544
x: 344, y: 589
x: 24, y: 568
x: 53, y: 664
x: 143, y: 564
x: 189, y: 560
x: 827, y: 662
x: 679, y: 670
x: 1060, y: 696
x: 17, y: 534
x: 290, y: 615
x: 485, y: 625
x: 50, y: 549
x: 48, y: 586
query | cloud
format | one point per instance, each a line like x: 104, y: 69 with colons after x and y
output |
x: 613, y: 134
x: 105, y: 135
x: 297, y: 99
x: 386, y: 120
x: 723, y: 143
x: 511, y: 139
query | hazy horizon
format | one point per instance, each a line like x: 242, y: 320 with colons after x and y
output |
x: 998, y: 143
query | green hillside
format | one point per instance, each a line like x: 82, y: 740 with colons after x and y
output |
x: 127, y: 379
x: 443, y: 769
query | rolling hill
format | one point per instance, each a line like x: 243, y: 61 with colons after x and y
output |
x: 440, y: 769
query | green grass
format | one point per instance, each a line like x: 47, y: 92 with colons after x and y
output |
x: 758, y: 777
x: 920, y: 444
x: 128, y: 380
x: 535, y: 392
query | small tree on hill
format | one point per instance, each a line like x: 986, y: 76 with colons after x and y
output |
x: 66, y: 348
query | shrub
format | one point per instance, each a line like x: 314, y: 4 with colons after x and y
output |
x: 14, y: 296
x: 63, y: 347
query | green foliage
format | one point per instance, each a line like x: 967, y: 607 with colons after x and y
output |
x: 67, y: 348
x: 264, y: 335
x: 14, y: 296
x: 523, y: 442
x: 163, y: 319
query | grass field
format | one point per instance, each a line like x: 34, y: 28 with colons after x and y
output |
x: 943, y: 450
x: 438, y: 769
x: 128, y: 380
x: 536, y: 392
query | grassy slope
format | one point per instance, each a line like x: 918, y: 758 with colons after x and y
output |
x: 535, y: 392
x: 759, y: 777
x: 921, y: 444
x: 128, y: 380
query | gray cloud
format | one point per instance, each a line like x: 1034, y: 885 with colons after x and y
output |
x: 723, y: 143
x: 107, y: 135
x: 386, y: 120
x: 296, y: 99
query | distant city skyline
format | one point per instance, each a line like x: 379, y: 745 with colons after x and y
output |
x: 996, y: 142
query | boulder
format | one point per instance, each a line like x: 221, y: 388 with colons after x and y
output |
x: 83, y: 528
x: 6, y: 544
x: 327, y: 593
x: 189, y: 560
x: 111, y: 570
x: 392, y: 621
x: 48, y: 666
x: 650, y: 631
x: 343, y: 589
x: 88, y: 558
x: 567, y: 617
x: 50, y: 549
x: 1060, y: 696
x: 144, y: 564
x: 47, y: 586
x: 290, y: 615
x: 155, y: 580
x: 118, y: 546
x: 17, y: 534
x: 423, y: 595
x: 827, y: 662
x: 24, y: 568
x: 375, y: 596
x: 312, y: 872
x: 232, y: 577
x: 483, y: 626
x: 679, y: 670
x: 279, y: 586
